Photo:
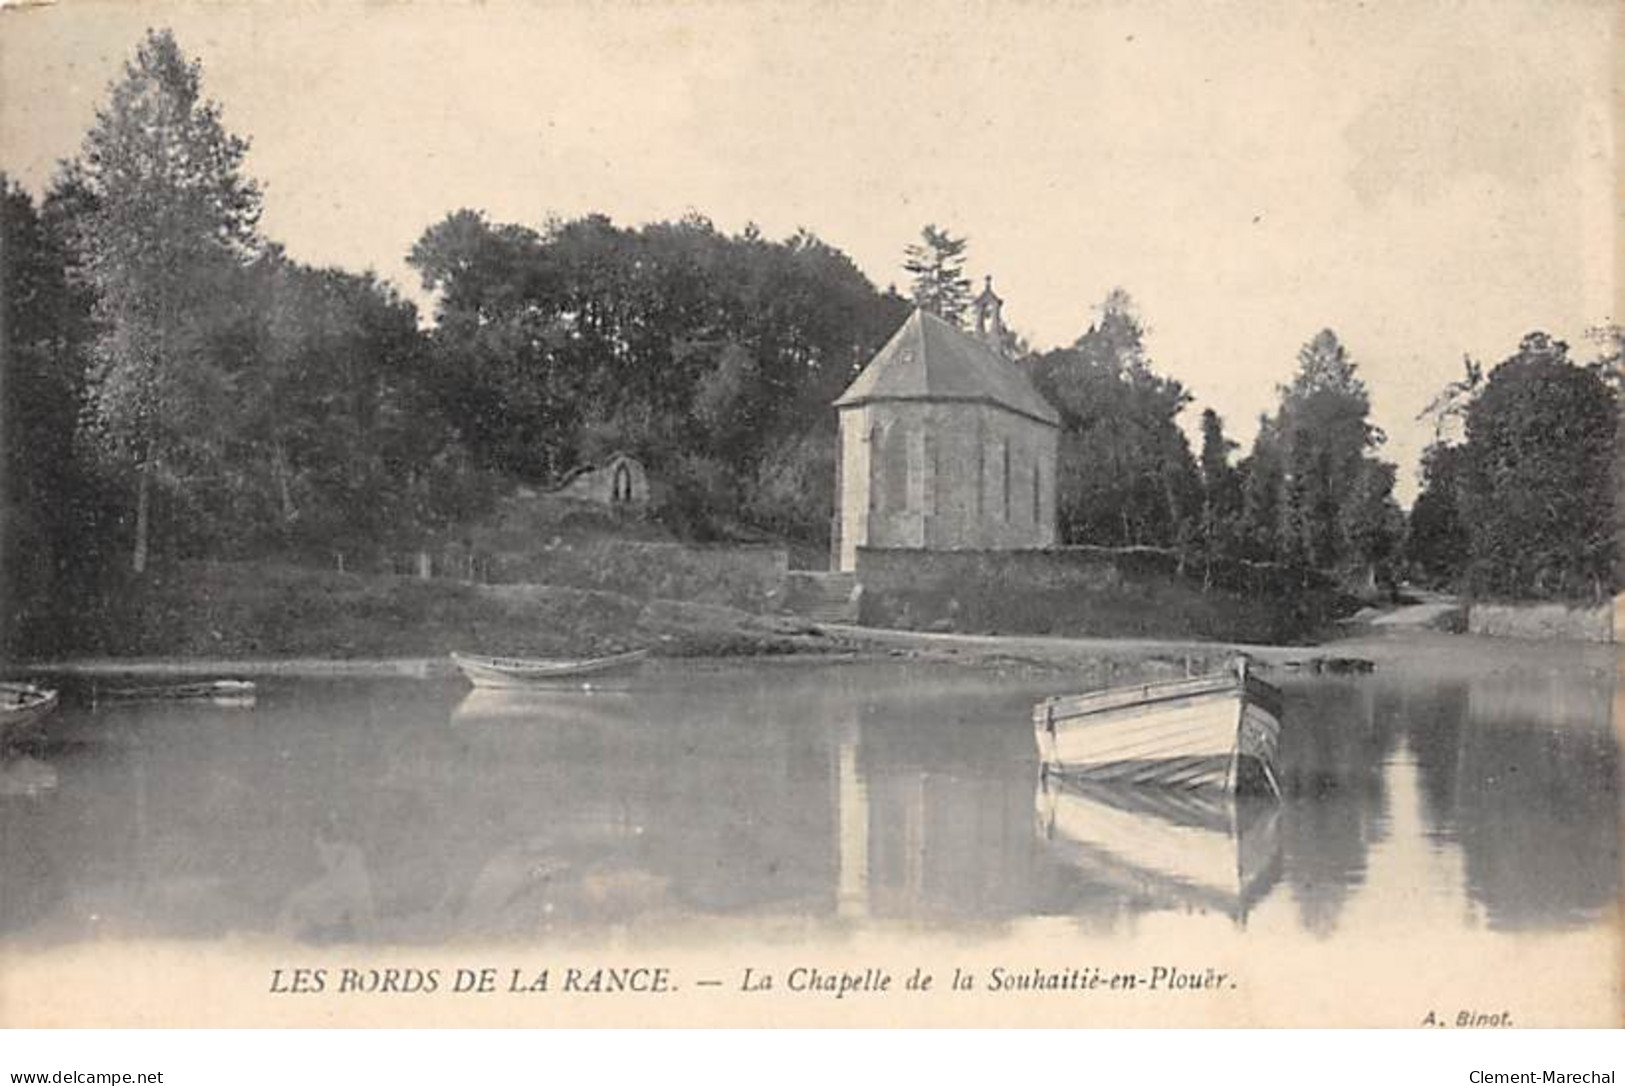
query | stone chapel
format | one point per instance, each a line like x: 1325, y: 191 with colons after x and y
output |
x: 944, y: 444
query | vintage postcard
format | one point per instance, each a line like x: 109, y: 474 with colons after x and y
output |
x: 829, y: 514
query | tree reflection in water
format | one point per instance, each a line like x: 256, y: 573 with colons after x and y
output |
x: 396, y: 811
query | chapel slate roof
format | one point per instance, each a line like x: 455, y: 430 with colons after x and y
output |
x: 930, y: 359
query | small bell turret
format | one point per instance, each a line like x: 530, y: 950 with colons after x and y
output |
x: 989, y: 316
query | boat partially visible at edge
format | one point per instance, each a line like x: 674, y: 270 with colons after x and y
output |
x: 22, y: 707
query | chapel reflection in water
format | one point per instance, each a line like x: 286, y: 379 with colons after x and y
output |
x: 407, y: 812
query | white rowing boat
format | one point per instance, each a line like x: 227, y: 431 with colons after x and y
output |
x: 1215, y: 731
x: 517, y: 672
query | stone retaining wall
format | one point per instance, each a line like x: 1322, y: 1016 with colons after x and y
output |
x: 1543, y: 621
x: 1084, y: 591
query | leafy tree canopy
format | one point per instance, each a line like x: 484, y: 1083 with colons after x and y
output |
x: 1313, y: 495
x: 168, y: 216
x: 713, y: 356
x: 1537, y: 493
x: 1125, y: 474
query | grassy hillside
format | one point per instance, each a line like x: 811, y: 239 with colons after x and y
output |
x: 259, y: 609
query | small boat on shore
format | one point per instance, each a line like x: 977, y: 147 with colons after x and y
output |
x: 22, y: 707
x: 510, y: 672
x: 224, y: 693
x: 1218, y: 731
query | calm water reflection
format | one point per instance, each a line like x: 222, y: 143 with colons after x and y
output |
x: 405, y: 811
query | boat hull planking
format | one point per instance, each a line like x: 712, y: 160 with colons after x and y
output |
x: 1216, y: 732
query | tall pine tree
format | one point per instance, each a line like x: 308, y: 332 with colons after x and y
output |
x: 937, y: 263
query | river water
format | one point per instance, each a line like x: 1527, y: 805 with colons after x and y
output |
x: 830, y: 796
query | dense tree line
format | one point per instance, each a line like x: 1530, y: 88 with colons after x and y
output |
x: 52, y: 510
x: 713, y: 357
x: 1310, y: 494
x: 1125, y: 474
x: 1314, y: 494
x: 175, y: 385
x: 1523, y: 504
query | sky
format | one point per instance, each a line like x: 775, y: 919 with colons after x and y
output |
x: 1427, y: 179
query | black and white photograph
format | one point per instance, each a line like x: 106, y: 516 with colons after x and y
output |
x: 998, y: 513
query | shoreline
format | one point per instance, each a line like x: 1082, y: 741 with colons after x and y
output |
x: 415, y: 667
x: 1405, y: 650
